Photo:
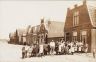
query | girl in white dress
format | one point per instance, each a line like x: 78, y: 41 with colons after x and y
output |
x: 41, y: 49
x: 60, y: 48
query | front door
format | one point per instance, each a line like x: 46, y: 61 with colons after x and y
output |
x: 67, y: 37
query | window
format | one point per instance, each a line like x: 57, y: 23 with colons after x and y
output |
x: 75, y: 18
x: 74, y: 38
x: 83, y: 37
x: 67, y: 36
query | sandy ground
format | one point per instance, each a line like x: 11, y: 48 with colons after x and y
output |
x: 12, y: 53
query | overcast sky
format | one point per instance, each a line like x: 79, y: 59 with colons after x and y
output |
x: 19, y: 14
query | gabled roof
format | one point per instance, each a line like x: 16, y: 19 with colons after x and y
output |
x: 34, y: 29
x: 55, y: 29
x: 92, y: 14
x: 29, y: 29
x: 21, y: 32
x: 11, y: 35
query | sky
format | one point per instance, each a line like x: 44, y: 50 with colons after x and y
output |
x: 20, y: 14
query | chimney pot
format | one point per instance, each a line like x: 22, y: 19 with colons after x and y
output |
x: 75, y: 5
x: 84, y: 2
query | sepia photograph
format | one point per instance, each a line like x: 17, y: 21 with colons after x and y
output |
x: 47, y: 30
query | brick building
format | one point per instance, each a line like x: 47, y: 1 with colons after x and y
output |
x: 80, y: 25
x: 45, y: 32
x: 12, y: 37
x: 18, y: 37
x: 55, y: 31
x: 51, y: 30
x: 32, y: 35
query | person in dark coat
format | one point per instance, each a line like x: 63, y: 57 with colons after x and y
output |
x: 66, y: 49
x: 45, y: 49
x: 49, y: 49
x: 23, y: 52
x: 34, y: 50
x: 57, y: 47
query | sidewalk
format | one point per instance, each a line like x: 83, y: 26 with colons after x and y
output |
x: 90, y: 55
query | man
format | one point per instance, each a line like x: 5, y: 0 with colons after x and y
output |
x: 23, y: 52
x: 34, y: 50
x: 45, y: 47
x: 57, y: 47
x: 49, y: 48
x: 52, y: 46
x: 26, y: 51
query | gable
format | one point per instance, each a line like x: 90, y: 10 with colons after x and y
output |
x: 84, y: 19
x: 92, y: 14
x: 56, y: 29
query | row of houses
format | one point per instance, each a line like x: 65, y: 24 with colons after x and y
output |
x: 79, y: 25
x: 43, y: 33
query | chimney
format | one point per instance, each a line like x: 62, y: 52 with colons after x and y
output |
x: 42, y: 20
x: 75, y: 5
x: 84, y: 2
x: 68, y: 9
x: 49, y: 22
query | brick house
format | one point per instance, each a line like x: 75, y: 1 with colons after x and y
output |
x: 51, y: 30
x: 80, y: 25
x: 18, y: 37
x: 55, y: 31
x: 12, y: 38
x: 32, y: 35
x: 42, y: 32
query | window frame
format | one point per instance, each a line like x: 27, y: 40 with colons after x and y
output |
x: 75, y: 18
x: 82, y: 37
x: 74, y: 37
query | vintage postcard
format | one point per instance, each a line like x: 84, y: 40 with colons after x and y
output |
x: 47, y: 30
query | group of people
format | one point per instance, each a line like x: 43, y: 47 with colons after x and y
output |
x: 58, y: 48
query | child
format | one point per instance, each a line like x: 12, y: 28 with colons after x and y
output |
x: 29, y: 51
x: 41, y: 49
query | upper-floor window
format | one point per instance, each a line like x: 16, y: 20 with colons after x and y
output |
x: 76, y: 18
